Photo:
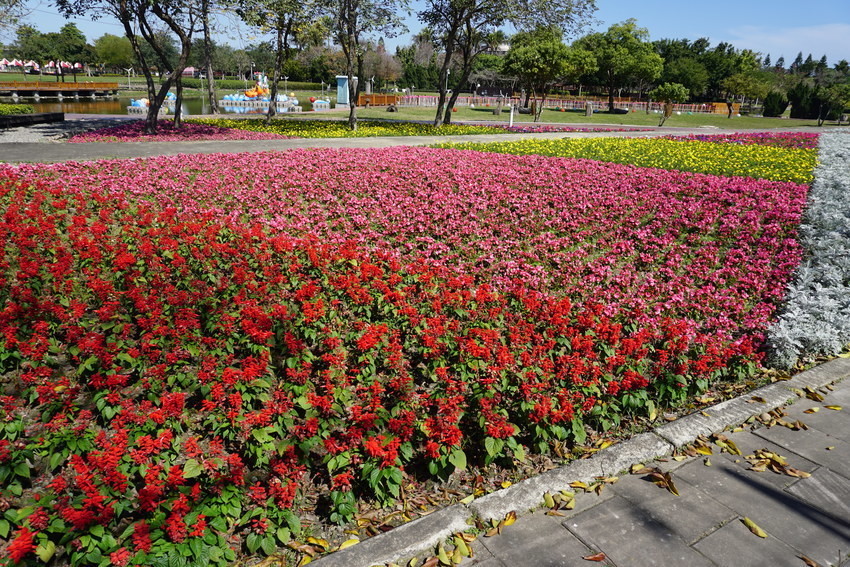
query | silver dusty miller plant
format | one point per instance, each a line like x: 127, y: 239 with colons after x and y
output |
x: 816, y: 316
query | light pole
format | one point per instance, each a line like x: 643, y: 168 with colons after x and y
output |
x: 448, y: 72
x: 130, y: 70
x: 252, y: 70
x: 285, y: 79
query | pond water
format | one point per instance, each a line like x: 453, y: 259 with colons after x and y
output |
x: 191, y: 106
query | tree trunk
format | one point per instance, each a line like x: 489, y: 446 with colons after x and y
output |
x: 442, y: 79
x: 464, y: 77
x: 208, y: 63
x: 540, y: 106
x: 278, y: 60
x: 178, y: 103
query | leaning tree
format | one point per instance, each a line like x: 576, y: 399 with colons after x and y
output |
x: 463, y: 26
x: 141, y: 20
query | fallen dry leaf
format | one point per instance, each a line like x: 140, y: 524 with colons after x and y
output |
x: 663, y: 479
x: 595, y: 557
x: 753, y: 527
x: 834, y: 408
x: 809, y: 561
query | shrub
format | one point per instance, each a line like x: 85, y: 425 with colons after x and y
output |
x: 775, y: 104
x: 11, y: 109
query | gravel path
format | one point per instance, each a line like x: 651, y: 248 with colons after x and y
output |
x: 58, y: 131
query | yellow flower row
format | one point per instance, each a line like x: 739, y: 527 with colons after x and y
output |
x: 764, y: 162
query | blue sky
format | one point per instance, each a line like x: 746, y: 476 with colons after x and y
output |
x: 777, y: 27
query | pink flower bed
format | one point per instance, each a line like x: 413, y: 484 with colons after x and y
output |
x: 776, y: 139
x: 654, y: 242
x: 166, y: 132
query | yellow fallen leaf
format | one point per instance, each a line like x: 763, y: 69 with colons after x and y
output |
x: 830, y: 448
x: 834, y: 408
x: 443, y: 556
x: 753, y: 527
x: 707, y: 462
x: 679, y: 458
x: 461, y: 547
x: 571, y: 503
x: 579, y: 484
x: 811, y: 410
x: 510, y: 518
x: 348, y: 543
x: 505, y: 483
x: 605, y: 444
x: 468, y: 499
x: 704, y: 450
x: 548, y: 501
x: 323, y: 543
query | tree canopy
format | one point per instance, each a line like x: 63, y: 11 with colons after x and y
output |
x: 623, y: 57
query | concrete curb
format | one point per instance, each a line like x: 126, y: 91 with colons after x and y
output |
x: 423, y: 534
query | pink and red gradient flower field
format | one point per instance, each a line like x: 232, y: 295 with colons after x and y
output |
x: 186, y: 353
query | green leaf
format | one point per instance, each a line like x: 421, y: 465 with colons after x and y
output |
x: 262, y: 435
x: 268, y: 545
x: 493, y: 446
x: 283, y: 535
x: 56, y: 459
x: 579, y: 434
x: 45, y: 550
x: 192, y: 469
x: 253, y: 542
x: 4, y: 528
x: 22, y: 469
x: 458, y: 459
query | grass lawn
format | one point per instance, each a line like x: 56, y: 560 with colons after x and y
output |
x: 631, y: 119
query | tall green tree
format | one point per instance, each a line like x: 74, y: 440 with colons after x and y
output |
x: 539, y: 58
x: 281, y: 18
x: 688, y: 72
x: 114, y: 52
x: 623, y: 56
x: 143, y: 22
x: 354, y: 20
x: 461, y: 28
x: 668, y: 93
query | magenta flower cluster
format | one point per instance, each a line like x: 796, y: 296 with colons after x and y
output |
x: 166, y: 132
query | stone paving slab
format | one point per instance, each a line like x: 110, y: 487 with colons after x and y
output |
x: 829, y: 492
x: 733, y: 542
x: 798, y: 524
x: 813, y: 446
x: 690, y: 516
x: 529, y: 494
x: 539, y: 536
x: 628, y: 537
x: 749, y: 443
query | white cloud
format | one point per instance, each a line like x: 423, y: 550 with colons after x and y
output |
x: 829, y: 39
